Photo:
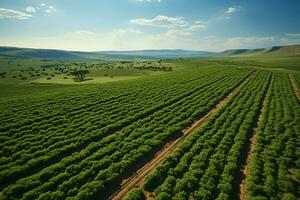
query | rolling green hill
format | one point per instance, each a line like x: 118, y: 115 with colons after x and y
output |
x: 28, y: 53
x: 283, y: 57
x: 293, y: 50
x: 277, y: 57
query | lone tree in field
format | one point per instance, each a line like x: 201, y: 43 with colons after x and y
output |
x: 80, y: 74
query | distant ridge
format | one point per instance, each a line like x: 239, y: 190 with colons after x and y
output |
x: 30, y: 53
x: 162, y: 53
x: 292, y: 50
x: 104, y: 55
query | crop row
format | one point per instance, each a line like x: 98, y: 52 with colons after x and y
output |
x: 39, y: 155
x: 104, y: 163
x: 28, y: 110
x: 297, y: 79
x: 274, y: 167
x: 205, y: 164
x: 91, y: 102
x: 20, y: 112
x: 94, y: 116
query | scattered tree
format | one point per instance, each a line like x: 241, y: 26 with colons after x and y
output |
x: 80, y: 74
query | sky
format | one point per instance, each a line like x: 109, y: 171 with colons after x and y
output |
x: 96, y: 25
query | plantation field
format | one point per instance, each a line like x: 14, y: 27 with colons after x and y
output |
x: 248, y: 150
x: 176, y: 129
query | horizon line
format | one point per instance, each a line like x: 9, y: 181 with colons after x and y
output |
x: 159, y: 49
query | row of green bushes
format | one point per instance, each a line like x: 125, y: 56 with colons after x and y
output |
x: 106, y: 160
x: 206, y: 164
x: 277, y: 148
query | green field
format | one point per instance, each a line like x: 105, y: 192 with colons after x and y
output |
x: 68, y: 139
x: 22, y: 75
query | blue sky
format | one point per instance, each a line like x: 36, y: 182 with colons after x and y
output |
x: 89, y: 25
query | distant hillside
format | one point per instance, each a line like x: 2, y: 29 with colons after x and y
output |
x: 102, y: 55
x: 58, y: 54
x: 25, y: 53
x: 178, y: 53
x: 283, y: 57
x: 36, y: 53
x: 293, y: 50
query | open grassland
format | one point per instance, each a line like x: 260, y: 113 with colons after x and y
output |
x: 85, y: 141
x: 281, y: 63
x: 275, y: 58
x: 39, y: 75
x: 278, y: 57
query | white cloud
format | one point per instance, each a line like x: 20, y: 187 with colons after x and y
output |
x: 200, y: 22
x: 187, y: 31
x: 30, y: 9
x: 293, y: 34
x: 198, y: 25
x: 178, y: 26
x: 230, y: 12
x: 13, y: 14
x: 50, y: 9
x: 161, y: 21
x: 234, y: 9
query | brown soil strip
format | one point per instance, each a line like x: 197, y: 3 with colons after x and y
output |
x: 243, y: 188
x: 294, y: 86
x: 139, y: 177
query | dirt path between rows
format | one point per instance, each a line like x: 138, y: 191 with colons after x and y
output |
x: 243, y: 188
x: 294, y: 86
x: 245, y: 170
x: 139, y: 178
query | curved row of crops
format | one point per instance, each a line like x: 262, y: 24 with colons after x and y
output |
x: 86, y: 146
x: 274, y: 169
x: 205, y: 164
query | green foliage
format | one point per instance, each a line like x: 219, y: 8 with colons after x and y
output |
x: 80, y: 74
x: 277, y: 144
x: 136, y: 194
x: 206, y: 164
x: 79, y: 142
